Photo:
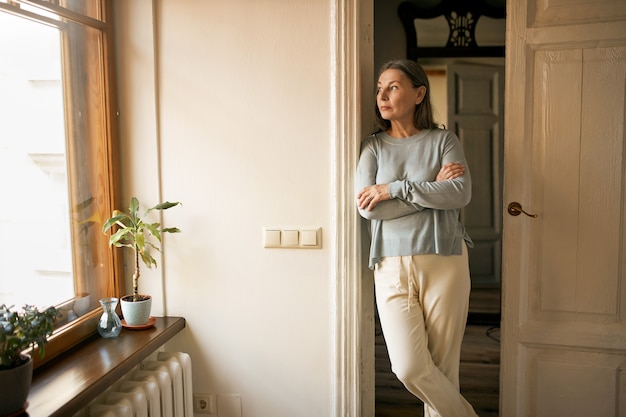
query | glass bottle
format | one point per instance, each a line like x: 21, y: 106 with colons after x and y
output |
x: 109, y: 324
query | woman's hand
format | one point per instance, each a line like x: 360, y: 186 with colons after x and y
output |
x: 450, y: 171
x: 368, y: 197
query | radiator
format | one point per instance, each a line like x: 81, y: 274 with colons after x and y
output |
x: 159, y: 387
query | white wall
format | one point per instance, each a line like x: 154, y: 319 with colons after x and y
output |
x: 225, y: 106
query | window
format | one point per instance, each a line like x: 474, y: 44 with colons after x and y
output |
x: 58, y: 136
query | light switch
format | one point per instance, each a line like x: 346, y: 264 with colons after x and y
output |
x: 290, y: 238
x: 309, y: 237
x: 271, y: 238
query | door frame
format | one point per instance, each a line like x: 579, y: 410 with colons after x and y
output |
x: 352, y: 48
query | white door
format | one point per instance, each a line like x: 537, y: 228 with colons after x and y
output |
x: 564, y: 271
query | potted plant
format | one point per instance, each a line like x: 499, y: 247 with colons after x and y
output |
x: 20, y: 330
x: 136, y: 232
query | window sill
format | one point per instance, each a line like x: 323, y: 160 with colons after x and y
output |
x: 68, y: 383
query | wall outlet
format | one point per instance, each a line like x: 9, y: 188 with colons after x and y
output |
x: 204, y: 404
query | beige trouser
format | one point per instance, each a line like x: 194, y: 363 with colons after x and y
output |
x: 422, y: 303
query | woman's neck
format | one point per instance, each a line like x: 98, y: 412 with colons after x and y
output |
x: 399, y: 130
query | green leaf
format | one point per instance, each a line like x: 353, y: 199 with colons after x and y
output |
x: 140, y: 240
x: 133, y: 208
x: 154, y: 247
x: 117, y: 237
x: 154, y: 230
x: 147, y: 259
x: 166, y: 205
x: 111, y: 221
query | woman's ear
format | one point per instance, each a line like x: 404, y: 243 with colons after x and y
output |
x: 421, y: 93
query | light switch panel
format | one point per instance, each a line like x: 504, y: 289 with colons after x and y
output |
x: 292, y: 237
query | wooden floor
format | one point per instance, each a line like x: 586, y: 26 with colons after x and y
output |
x: 479, y: 371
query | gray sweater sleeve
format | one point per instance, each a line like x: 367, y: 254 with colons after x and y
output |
x: 440, y: 195
x: 366, y: 176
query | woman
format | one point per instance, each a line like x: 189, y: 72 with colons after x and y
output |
x: 411, y: 183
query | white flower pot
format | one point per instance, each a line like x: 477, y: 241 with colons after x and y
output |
x: 136, y: 313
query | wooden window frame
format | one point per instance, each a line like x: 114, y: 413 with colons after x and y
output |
x: 97, y: 148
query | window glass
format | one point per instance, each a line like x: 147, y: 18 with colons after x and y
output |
x: 89, y: 8
x: 35, y: 244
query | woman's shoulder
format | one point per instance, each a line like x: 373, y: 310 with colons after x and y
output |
x: 373, y: 137
x: 442, y: 132
x: 371, y: 140
x: 443, y: 135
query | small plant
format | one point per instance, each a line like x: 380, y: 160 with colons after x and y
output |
x: 23, y: 329
x: 135, y: 232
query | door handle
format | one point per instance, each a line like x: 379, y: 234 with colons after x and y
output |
x: 515, y: 209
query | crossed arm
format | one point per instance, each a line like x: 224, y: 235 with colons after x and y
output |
x: 371, y: 195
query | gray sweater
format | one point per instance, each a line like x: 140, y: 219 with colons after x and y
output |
x: 423, y: 215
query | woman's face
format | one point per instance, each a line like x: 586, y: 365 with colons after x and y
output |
x: 396, y: 97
